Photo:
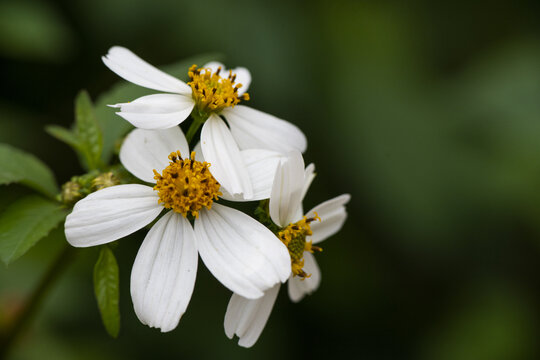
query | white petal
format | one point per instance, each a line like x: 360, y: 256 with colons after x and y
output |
x: 247, y: 318
x: 146, y: 150
x: 111, y: 214
x: 240, y: 252
x: 243, y: 75
x: 287, y: 189
x: 261, y: 166
x: 158, y: 111
x: 332, y: 213
x: 309, y: 175
x: 254, y: 129
x: 163, y: 275
x: 132, y: 68
x: 298, y: 288
x: 220, y: 150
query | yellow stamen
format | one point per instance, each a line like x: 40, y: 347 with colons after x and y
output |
x: 294, y: 237
x: 186, y: 185
x: 213, y: 93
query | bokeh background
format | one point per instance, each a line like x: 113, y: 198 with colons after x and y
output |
x: 428, y: 113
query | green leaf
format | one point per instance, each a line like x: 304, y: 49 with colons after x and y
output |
x: 113, y: 126
x: 24, y: 222
x: 86, y: 137
x: 87, y: 131
x: 19, y: 166
x: 106, y: 288
x: 63, y: 134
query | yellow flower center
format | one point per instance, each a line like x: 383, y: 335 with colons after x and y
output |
x: 186, y: 185
x: 294, y: 237
x: 213, y: 93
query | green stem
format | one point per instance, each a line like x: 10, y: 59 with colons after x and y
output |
x: 15, y: 330
x: 198, y: 120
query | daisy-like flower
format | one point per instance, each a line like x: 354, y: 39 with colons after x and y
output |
x: 211, y: 92
x: 247, y: 317
x: 240, y: 252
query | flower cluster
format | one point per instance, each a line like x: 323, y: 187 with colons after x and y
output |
x: 242, y: 155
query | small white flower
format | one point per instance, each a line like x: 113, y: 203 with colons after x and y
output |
x: 240, y: 252
x: 247, y: 317
x: 212, y: 92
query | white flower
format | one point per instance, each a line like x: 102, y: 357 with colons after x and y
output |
x: 240, y: 252
x: 211, y: 95
x: 247, y: 317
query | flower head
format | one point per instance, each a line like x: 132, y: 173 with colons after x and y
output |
x: 212, y: 92
x: 240, y: 252
x: 247, y: 317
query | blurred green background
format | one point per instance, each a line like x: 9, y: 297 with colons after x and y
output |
x: 428, y: 113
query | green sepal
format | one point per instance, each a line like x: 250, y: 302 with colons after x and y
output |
x: 262, y: 213
x: 106, y: 288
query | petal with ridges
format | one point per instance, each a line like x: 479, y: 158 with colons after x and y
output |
x: 146, y: 150
x: 134, y: 69
x: 254, y: 129
x: 309, y: 175
x: 298, y: 288
x: 163, y: 275
x: 247, y: 318
x: 240, y: 252
x: 332, y: 213
x: 286, y: 196
x: 111, y: 214
x: 220, y: 150
x: 158, y: 111
x: 261, y: 166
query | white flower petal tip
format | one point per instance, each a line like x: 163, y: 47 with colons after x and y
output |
x: 298, y: 288
x: 146, y: 150
x: 226, y: 163
x: 111, y: 214
x: 240, y: 252
x: 247, y: 318
x: 332, y: 214
x: 309, y: 175
x: 254, y: 129
x: 133, y: 69
x: 163, y: 275
x: 287, y: 190
x: 158, y: 111
x: 261, y: 166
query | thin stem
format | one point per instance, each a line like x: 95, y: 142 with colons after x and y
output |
x: 27, y: 312
x: 198, y: 120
